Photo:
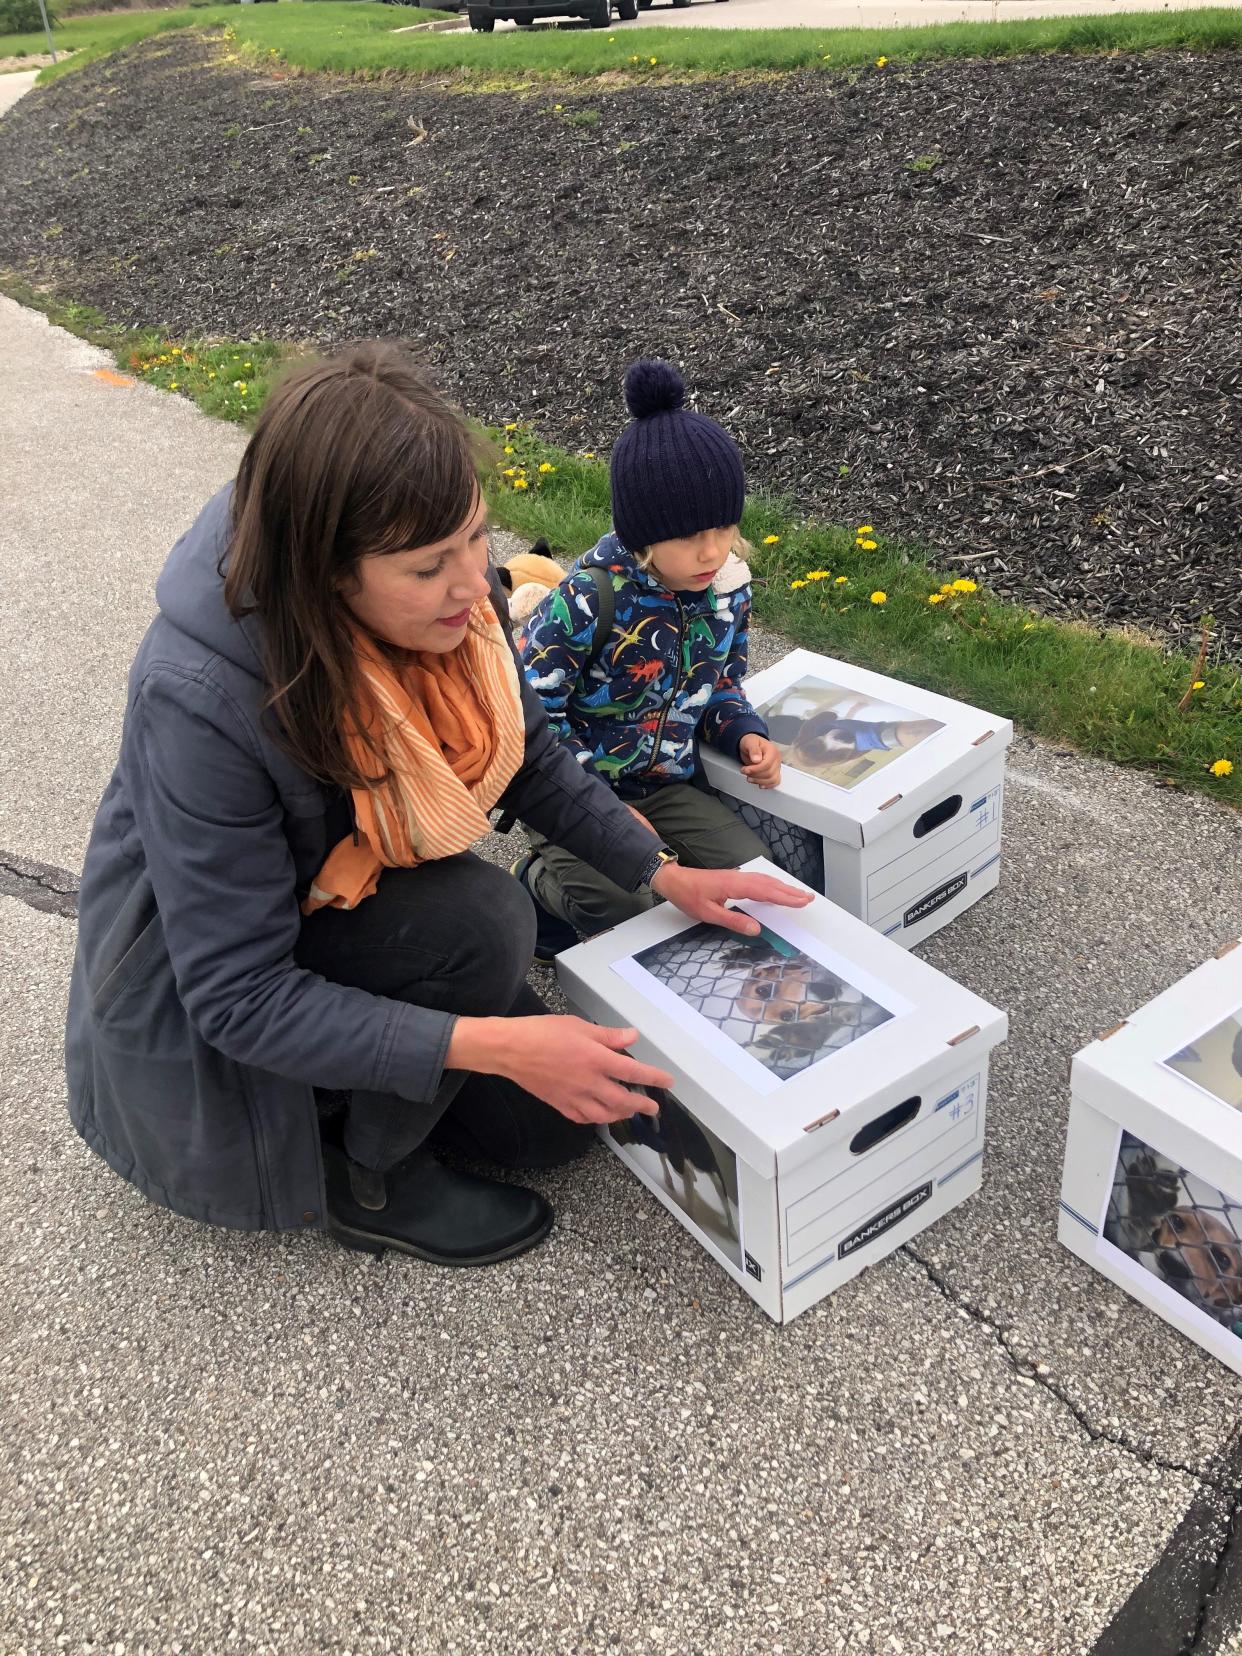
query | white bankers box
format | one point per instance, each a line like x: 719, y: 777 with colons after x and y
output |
x: 828, y: 1088
x: 1152, y: 1190
x: 890, y: 797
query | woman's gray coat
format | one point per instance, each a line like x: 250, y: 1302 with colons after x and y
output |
x: 194, y: 1040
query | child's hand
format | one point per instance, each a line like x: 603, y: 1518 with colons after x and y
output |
x: 761, y: 761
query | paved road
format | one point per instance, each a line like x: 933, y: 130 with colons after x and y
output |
x: 870, y: 14
x: 264, y: 1443
x: 874, y: 14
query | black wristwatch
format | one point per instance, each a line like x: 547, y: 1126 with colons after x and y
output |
x: 658, y: 860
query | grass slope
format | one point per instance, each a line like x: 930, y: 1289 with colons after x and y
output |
x: 358, y: 38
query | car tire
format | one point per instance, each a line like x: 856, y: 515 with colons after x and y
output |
x: 627, y: 10
x: 600, y: 15
x: 483, y: 22
x: 679, y: 4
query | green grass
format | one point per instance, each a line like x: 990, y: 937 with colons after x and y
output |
x: 1107, y: 693
x: 357, y: 37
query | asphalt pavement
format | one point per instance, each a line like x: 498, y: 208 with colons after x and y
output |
x: 264, y: 1443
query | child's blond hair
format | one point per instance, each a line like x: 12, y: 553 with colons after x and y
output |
x: 740, y: 548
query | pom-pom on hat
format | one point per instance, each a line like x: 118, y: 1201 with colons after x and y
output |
x: 674, y: 472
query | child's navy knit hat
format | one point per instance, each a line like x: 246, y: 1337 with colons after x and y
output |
x: 674, y: 472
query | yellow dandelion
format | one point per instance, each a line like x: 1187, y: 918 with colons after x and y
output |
x: 509, y: 471
x: 880, y: 62
x: 771, y: 540
x: 509, y: 448
x: 965, y: 586
x: 867, y: 545
x: 653, y: 61
x: 172, y: 385
x: 879, y: 597
x: 589, y: 455
x: 512, y: 426
x: 935, y: 597
x: 520, y: 483
x: 545, y: 467
x: 841, y: 580
x: 947, y: 588
x: 818, y: 574
x: 1222, y: 767
x: 865, y: 529
x: 1198, y: 684
x: 794, y: 585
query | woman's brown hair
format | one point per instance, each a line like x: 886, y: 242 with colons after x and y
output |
x: 352, y: 456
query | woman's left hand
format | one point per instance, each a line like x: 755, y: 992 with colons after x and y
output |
x: 703, y: 892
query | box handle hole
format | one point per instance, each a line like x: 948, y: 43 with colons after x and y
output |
x: 870, y: 1135
x: 938, y: 815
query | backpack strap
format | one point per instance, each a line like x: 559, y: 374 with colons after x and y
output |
x: 607, y: 612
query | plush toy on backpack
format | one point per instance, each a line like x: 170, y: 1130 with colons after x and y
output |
x: 528, y: 578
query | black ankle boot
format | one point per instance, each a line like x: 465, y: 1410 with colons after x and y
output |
x: 428, y: 1210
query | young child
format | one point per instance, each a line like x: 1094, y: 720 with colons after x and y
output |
x: 631, y: 704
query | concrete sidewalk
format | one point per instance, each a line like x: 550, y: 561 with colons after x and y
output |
x: 265, y: 1443
x: 14, y: 86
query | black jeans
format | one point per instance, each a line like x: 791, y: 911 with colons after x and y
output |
x: 455, y: 935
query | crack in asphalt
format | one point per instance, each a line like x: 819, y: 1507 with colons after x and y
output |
x: 39, y: 885
x: 1027, y: 1371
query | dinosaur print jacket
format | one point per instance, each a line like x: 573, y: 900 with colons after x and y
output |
x: 670, y: 671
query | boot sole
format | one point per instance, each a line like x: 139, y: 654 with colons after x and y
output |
x: 362, y: 1241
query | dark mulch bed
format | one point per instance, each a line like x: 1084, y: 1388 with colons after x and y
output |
x: 1027, y: 354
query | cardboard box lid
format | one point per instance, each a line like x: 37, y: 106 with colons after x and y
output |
x: 907, y: 784
x: 1130, y: 1061
x: 766, y: 1118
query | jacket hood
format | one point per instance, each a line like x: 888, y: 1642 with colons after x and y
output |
x: 190, y: 589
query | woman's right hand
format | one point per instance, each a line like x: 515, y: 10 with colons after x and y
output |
x: 579, y: 1068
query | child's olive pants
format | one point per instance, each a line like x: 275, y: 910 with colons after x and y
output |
x: 702, y: 830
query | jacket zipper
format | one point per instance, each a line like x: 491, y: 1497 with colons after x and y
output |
x: 668, y: 705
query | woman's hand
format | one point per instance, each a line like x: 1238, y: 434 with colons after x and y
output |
x: 761, y: 760
x: 702, y: 893
x: 577, y: 1067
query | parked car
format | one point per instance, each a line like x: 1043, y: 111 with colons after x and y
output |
x: 598, y: 13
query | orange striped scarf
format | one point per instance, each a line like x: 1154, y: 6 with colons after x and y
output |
x: 450, y: 727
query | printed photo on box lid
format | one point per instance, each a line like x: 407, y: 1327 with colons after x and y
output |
x: 779, y: 1005
x: 1213, y: 1061
x: 841, y: 736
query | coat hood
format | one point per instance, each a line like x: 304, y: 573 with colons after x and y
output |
x: 190, y: 589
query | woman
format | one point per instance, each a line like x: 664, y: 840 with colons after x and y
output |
x: 278, y: 895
